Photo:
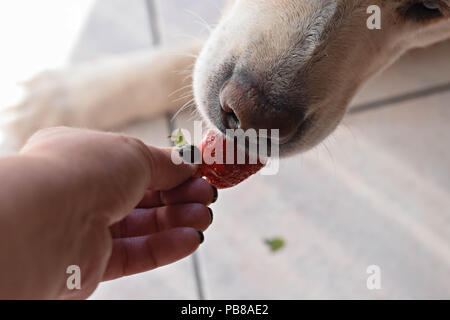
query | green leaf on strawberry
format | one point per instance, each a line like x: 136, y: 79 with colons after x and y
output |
x: 178, y: 139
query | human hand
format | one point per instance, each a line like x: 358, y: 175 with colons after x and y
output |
x: 108, y: 204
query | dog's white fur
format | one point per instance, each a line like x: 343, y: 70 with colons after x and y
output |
x: 339, y: 50
x: 316, y: 53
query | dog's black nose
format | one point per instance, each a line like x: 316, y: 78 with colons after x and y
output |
x: 244, y: 106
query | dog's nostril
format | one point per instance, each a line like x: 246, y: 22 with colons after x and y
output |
x: 229, y: 118
x: 224, y: 103
x: 234, y: 119
x: 231, y: 121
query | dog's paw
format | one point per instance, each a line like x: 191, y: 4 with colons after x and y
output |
x: 30, y: 106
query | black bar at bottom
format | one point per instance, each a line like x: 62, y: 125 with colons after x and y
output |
x: 227, y: 309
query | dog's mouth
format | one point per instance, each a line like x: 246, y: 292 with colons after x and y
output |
x: 272, y: 134
x: 295, y: 139
x: 244, y: 101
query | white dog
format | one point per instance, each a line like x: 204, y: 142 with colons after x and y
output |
x: 270, y: 64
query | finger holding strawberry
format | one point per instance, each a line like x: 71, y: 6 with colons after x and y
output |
x: 214, y: 165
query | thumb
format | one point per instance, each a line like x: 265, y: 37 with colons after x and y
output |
x: 164, y: 172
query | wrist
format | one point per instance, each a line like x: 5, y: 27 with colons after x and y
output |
x: 39, y: 226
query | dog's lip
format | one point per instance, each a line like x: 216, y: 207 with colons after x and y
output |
x: 222, y: 127
x: 299, y: 129
x: 280, y: 141
x: 287, y: 138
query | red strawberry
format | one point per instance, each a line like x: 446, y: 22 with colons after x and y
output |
x: 224, y: 175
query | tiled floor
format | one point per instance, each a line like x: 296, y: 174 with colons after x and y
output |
x: 376, y: 192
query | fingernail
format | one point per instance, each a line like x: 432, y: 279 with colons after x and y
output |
x: 211, y: 214
x: 215, y: 193
x: 190, y: 153
x: 182, y: 150
x: 202, y: 236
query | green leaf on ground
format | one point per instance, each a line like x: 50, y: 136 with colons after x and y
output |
x: 275, y: 244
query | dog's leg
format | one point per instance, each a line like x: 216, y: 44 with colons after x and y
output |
x: 104, y: 95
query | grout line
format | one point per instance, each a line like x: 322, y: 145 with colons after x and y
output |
x: 400, y: 98
x: 170, y: 123
x: 155, y: 33
x: 194, y: 257
x: 198, y: 276
x: 153, y: 22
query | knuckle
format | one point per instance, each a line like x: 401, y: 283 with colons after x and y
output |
x: 42, y: 136
x: 45, y: 132
x: 136, y: 145
x: 139, y: 150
